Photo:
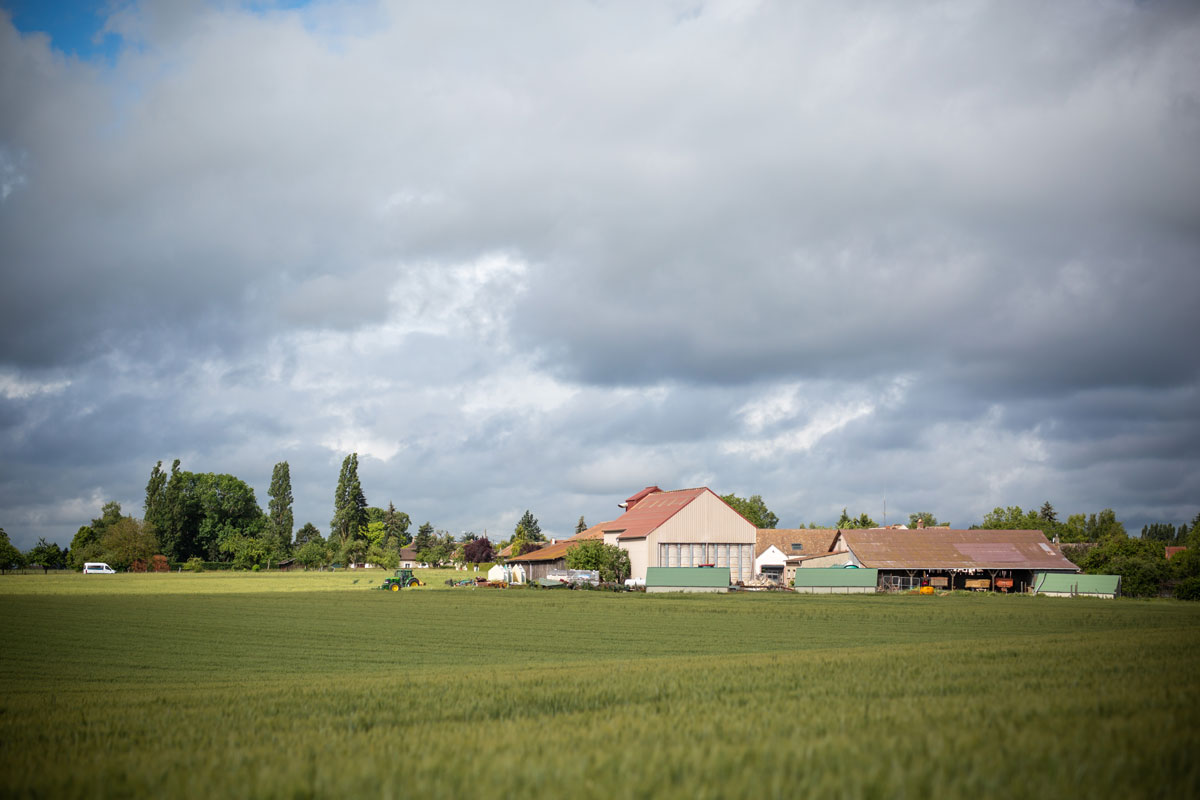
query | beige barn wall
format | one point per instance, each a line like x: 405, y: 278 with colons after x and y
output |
x: 705, y: 519
x: 637, y: 549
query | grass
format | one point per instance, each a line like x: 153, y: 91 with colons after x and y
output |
x: 307, y: 685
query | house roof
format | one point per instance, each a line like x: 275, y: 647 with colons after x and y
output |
x: 836, y: 576
x: 650, y: 512
x: 811, y: 541
x: 1173, y: 550
x: 409, y: 553
x: 941, y: 548
x: 1078, y: 584
x: 688, y: 577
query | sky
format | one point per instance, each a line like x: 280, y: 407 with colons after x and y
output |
x: 932, y: 256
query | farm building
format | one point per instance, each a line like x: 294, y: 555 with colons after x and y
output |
x: 684, y: 528
x: 1061, y: 584
x: 836, y: 580
x: 774, y: 548
x: 539, y: 563
x: 687, y: 579
x: 945, y: 558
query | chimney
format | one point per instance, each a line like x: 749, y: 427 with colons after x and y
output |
x: 920, y: 523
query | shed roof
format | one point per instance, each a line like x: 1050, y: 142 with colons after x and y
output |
x: 1079, y: 584
x: 836, y: 576
x: 942, y: 548
x: 812, y: 541
x: 650, y: 512
x: 688, y: 577
x: 550, y: 552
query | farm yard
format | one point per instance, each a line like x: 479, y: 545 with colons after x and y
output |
x: 308, y: 685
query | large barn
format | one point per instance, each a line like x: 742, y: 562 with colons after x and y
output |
x: 947, y: 559
x: 684, y: 528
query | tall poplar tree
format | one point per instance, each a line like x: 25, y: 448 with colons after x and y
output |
x: 280, y: 507
x: 349, y: 503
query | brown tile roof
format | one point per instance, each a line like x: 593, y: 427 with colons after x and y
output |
x: 1173, y: 550
x: 594, y: 532
x: 813, y: 541
x: 550, y: 552
x: 650, y: 512
x: 942, y: 548
x: 409, y: 553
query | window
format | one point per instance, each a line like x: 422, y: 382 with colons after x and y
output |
x: 797, y: 545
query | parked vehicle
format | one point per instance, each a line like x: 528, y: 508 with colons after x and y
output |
x: 98, y: 568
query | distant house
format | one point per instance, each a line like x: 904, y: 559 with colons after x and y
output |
x: 409, y: 558
x: 684, y: 528
x: 1173, y: 551
x: 775, y: 549
x: 947, y: 558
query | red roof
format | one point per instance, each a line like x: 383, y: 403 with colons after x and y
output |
x: 651, y: 511
x: 1173, y: 550
x: 944, y: 548
x: 630, y: 502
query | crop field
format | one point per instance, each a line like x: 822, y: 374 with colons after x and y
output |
x: 308, y: 685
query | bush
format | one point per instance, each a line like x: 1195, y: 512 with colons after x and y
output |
x: 1188, y: 589
x: 194, y: 564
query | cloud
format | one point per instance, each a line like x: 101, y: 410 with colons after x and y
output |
x: 542, y: 257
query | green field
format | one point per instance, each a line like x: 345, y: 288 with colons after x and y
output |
x: 308, y: 685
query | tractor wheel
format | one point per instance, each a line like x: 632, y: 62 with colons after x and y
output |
x: 395, y: 587
x: 413, y: 582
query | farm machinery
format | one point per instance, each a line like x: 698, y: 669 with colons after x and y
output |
x: 402, y: 579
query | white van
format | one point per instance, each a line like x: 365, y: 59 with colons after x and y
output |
x: 98, y: 568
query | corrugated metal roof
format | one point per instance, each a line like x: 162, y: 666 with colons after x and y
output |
x: 940, y: 548
x: 650, y: 512
x: 813, y: 541
x: 688, y: 577
x: 553, y: 552
x: 1080, y: 584
x: 836, y: 576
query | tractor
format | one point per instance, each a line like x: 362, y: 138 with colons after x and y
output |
x: 402, y: 578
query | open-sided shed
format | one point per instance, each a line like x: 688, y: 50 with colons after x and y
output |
x: 1057, y: 584
x: 687, y: 579
x: 836, y: 580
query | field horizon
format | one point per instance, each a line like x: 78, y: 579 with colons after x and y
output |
x: 251, y: 685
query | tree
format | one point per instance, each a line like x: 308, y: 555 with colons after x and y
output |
x: 313, y: 552
x: 580, y: 526
x: 10, y: 557
x: 424, y: 538
x: 930, y: 521
x: 533, y: 531
x: 754, y: 510
x: 307, y: 533
x: 1048, y: 513
x: 845, y: 522
x: 477, y: 551
x: 126, y: 541
x: 611, y: 561
x: 1141, y: 563
x: 439, y: 551
x: 395, y: 527
x: 47, y: 555
x: 279, y: 509
x: 154, y: 510
x: 349, y: 504
x: 85, y: 547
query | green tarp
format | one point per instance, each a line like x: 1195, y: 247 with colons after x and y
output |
x: 1071, y: 583
x: 688, y: 577
x: 835, y: 576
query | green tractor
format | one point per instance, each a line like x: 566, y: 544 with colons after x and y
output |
x: 402, y: 578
